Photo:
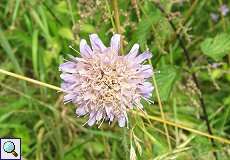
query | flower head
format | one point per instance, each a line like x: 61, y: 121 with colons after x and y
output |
x: 214, y: 17
x: 224, y: 9
x: 104, y: 84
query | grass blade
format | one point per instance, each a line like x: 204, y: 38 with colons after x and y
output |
x: 6, y: 46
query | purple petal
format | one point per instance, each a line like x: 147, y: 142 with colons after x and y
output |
x: 81, y: 111
x: 69, y: 67
x: 139, y: 105
x: 67, y: 86
x: 133, y: 52
x: 146, y: 67
x: 146, y: 73
x: 147, y: 84
x: 111, y: 117
x: 115, y: 42
x: 69, y: 97
x: 147, y: 95
x: 108, y: 110
x: 142, y: 57
x: 96, y: 43
x: 145, y: 90
x: 85, y: 50
x: 121, y: 121
x: 224, y: 9
x: 92, y: 119
x: 68, y: 77
x: 99, y: 115
x: 214, y: 17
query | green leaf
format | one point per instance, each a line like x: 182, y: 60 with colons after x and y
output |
x: 62, y: 7
x: 66, y: 33
x: 35, y: 52
x: 216, y: 47
x: 9, y: 51
x: 165, y: 81
x: 87, y: 28
x: 146, y: 25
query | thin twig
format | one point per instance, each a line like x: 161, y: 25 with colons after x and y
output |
x: 220, y: 139
x: 30, y: 80
x: 194, y: 77
x: 117, y: 21
x: 116, y: 16
x: 161, y: 109
x: 158, y: 95
x: 162, y: 112
x: 110, y: 15
x: 135, y: 6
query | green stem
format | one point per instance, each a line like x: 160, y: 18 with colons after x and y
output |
x: 117, y: 21
x: 161, y: 110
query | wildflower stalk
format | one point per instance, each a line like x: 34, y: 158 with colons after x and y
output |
x: 158, y: 97
x: 117, y: 21
x: 71, y: 12
x: 222, y: 17
x: 134, y: 3
x: 116, y: 16
x: 160, y: 104
x: 161, y: 109
x: 220, y: 139
x: 190, y: 12
x: 135, y: 6
x: 30, y: 80
x: 194, y: 77
x: 224, y: 25
x: 223, y: 140
x: 110, y: 14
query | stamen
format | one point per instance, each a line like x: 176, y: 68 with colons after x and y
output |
x: 74, y: 49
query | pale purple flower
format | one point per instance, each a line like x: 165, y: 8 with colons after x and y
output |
x: 214, y: 17
x: 224, y: 9
x: 104, y: 84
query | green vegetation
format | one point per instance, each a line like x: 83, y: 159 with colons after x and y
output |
x: 34, y: 40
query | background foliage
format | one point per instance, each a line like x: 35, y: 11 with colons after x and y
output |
x: 34, y: 40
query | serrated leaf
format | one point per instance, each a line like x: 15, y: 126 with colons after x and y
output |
x: 165, y: 81
x: 216, y: 47
x: 145, y: 26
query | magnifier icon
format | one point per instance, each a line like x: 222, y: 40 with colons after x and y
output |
x: 9, y: 147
